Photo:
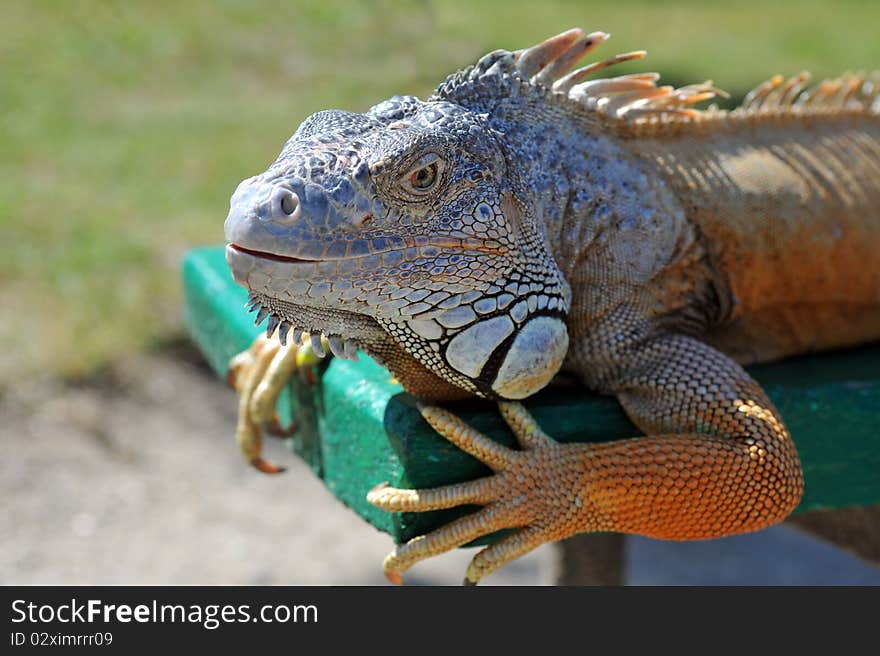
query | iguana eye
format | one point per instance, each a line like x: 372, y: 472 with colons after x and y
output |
x: 424, y: 174
x: 425, y: 177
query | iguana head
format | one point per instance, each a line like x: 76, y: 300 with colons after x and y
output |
x: 403, y: 223
x: 407, y: 224
x: 415, y: 230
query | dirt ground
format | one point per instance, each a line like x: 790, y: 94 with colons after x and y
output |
x: 133, y: 478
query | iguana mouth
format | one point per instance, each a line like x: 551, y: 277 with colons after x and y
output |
x: 451, y: 243
x: 322, y: 328
x: 271, y: 256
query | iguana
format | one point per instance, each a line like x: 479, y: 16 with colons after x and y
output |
x: 526, y: 220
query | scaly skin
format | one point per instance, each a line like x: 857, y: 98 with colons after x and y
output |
x: 525, y: 220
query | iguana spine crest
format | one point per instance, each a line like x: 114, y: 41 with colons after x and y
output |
x: 636, y: 101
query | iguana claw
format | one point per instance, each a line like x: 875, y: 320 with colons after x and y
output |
x: 259, y: 374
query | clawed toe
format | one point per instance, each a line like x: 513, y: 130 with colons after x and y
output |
x: 524, y: 494
x: 448, y: 537
x: 259, y: 375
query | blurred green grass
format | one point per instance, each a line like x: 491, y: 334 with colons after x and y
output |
x: 126, y: 126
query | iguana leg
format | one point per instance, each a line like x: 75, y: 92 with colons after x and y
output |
x: 716, y: 460
x: 259, y: 374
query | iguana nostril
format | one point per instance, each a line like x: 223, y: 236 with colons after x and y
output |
x: 289, y: 202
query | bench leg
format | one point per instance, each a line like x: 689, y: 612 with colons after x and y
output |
x: 856, y: 530
x: 589, y: 559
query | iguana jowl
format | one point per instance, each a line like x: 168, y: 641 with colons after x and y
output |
x: 525, y: 220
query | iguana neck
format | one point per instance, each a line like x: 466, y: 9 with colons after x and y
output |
x: 610, y: 222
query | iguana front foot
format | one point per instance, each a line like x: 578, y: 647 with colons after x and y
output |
x: 535, y: 490
x: 258, y: 375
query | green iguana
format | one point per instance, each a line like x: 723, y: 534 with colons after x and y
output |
x: 526, y: 220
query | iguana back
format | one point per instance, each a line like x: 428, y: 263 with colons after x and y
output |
x: 787, y: 205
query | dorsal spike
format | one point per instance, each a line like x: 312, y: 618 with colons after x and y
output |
x: 852, y: 87
x: 604, y: 87
x: 756, y: 96
x: 533, y: 59
x: 825, y: 91
x: 565, y: 61
x: 564, y: 85
x: 695, y: 93
x: 545, y: 69
x: 622, y: 103
x: 793, y: 88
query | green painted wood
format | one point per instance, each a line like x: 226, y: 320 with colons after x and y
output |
x: 358, y: 428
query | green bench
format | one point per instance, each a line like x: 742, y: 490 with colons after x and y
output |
x: 357, y: 427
